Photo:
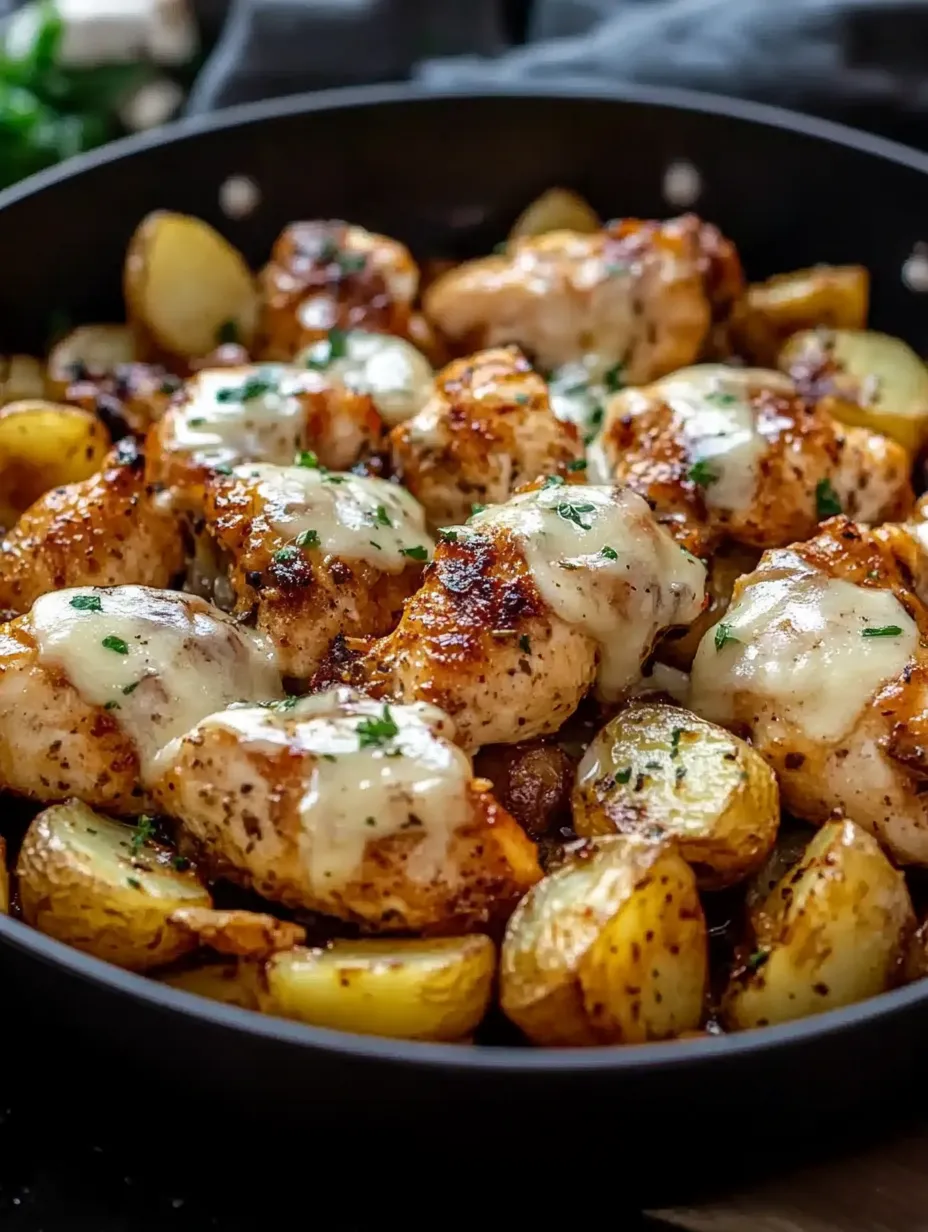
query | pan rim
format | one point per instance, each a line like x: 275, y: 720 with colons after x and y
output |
x: 670, y: 1055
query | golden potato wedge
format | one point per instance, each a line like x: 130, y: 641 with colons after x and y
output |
x: 659, y: 771
x: 405, y: 989
x: 44, y: 445
x: 4, y: 880
x: 105, y: 888
x: 831, y: 932
x: 21, y: 376
x: 726, y: 566
x: 558, y: 209
x: 833, y: 296
x: 233, y: 982
x: 611, y: 948
x: 249, y: 934
x: 89, y: 350
x: 187, y: 287
x: 863, y: 378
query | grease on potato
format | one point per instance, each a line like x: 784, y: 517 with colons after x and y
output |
x: 659, y: 771
x: 863, y: 378
x: 610, y: 948
x: 45, y: 445
x: 836, y: 296
x: 88, y: 881
x: 89, y: 350
x: 185, y: 285
x: 558, y: 209
x: 829, y: 934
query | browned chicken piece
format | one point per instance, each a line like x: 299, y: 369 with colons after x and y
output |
x: 821, y: 662
x: 306, y: 555
x: 642, y: 294
x: 247, y: 934
x: 529, y: 605
x: 95, y: 682
x: 736, y: 453
x: 257, y: 413
x: 330, y: 275
x: 129, y: 399
x: 487, y: 430
x: 108, y: 530
x: 359, y: 809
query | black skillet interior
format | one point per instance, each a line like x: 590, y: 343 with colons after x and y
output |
x: 447, y: 175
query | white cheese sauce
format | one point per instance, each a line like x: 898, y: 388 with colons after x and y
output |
x: 344, y: 515
x: 603, y: 564
x: 390, y: 370
x: 157, y: 660
x: 803, y: 648
x: 376, y: 770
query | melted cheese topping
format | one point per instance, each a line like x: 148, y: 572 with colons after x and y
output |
x: 578, y: 395
x: 157, y: 660
x: 377, y: 770
x: 344, y: 515
x: 602, y: 563
x: 232, y: 414
x: 397, y: 377
x: 803, y: 653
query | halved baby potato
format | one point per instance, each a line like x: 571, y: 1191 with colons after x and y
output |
x: 45, y: 445
x: 21, y: 376
x: 611, y: 948
x: 91, y: 882
x: 187, y: 287
x: 557, y: 209
x: 833, y: 296
x: 863, y: 378
x: 659, y: 771
x: 831, y: 933
x: 249, y: 934
x: 94, y: 349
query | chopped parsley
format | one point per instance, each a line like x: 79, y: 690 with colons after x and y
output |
x: 701, y: 473
x: 594, y: 421
x: 254, y: 386
x: 144, y: 832
x: 333, y: 346
x: 416, y: 553
x: 112, y: 706
x: 307, y: 539
x: 180, y: 863
x: 227, y: 332
x: 374, y: 733
x: 169, y: 385
x: 475, y: 509
x: 721, y: 399
x: 115, y: 644
x: 675, y: 741
x: 522, y: 399
x: 757, y: 959
x: 197, y: 422
x: 134, y: 883
x: 448, y: 534
x: 609, y: 553
x: 723, y: 635
x: 553, y: 481
x: 370, y: 821
x: 87, y: 603
x: 524, y: 644
x: 382, y: 516
x: 883, y: 631
x: 826, y: 499
x: 623, y: 776
x: 223, y: 469
x: 579, y: 464
x: 285, y: 554
x: 574, y: 513
x: 614, y: 378
x: 307, y: 458
x: 351, y: 262
x: 130, y: 688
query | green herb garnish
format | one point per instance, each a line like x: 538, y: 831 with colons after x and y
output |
x: 116, y: 644
x: 475, y: 509
x: 87, y: 603
x: 227, y: 332
x: 524, y: 644
x: 283, y: 555
x: 609, y: 553
x: 144, y: 831
x: 883, y: 631
x: 579, y: 464
x: 254, y: 386
x: 307, y: 539
x: 623, y: 776
x: 721, y: 399
x: 416, y: 553
x: 130, y: 688
x: 180, y: 863
x: 701, y: 473
x: 826, y: 499
x: 307, y: 458
x: 613, y: 378
x: 374, y: 733
x: 573, y: 513
x: 757, y: 959
x: 382, y: 516
x: 723, y: 636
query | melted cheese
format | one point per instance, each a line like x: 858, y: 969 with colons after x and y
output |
x: 222, y: 422
x: 802, y: 654
x: 349, y: 516
x: 409, y: 778
x: 397, y: 377
x: 157, y: 660
x: 578, y: 395
x: 622, y: 599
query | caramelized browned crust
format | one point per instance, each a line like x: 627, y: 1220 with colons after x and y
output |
x: 129, y: 399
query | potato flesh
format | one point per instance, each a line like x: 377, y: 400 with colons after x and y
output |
x: 21, y: 376
x: 830, y: 933
x: 659, y: 771
x: 45, y: 445
x: 833, y: 296
x: 94, y: 349
x: 558, y: 209
x: 84, y: 880
x: 579, y: 963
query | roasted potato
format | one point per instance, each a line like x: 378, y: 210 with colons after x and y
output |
x: 834, y: 296
x: 105, y: 888
x: 406, y: 989
x: 248, y: 934
x: 44, y: 445
x: 678, y: 649
x: 659, y: 771
x: 558, y: 209
x: 21, y: 376
x: 4, y: 880
x: 89, y: 350
x: 863, y: 378
x: 830, y: 933
x: 233, y: 982
x: 610, y: 948
x: 185, y: 286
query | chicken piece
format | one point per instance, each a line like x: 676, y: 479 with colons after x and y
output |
x: 330, y: 275
x: 257, y: 413
x: 396, y: 374
x: 821, y: 662
x: 487, y: 430
x: 94, y: 682
x: 642, y: 295
x: 108, y: 530
x: 735, y: 453
x: 529, y: 605
x: 129, y: 399
x: 307, y: 555
x: 339, y: 804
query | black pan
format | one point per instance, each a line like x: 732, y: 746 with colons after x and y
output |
x: 447, y: 174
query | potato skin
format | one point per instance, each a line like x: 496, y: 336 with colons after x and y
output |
x: 831, y: 933
x: 44, y: 445
x: 81, y: 881
x: 557, y: 209
x: 21, y: 376
x: 659, y: 771
x: 833, y: 296
x: 611, y: 948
